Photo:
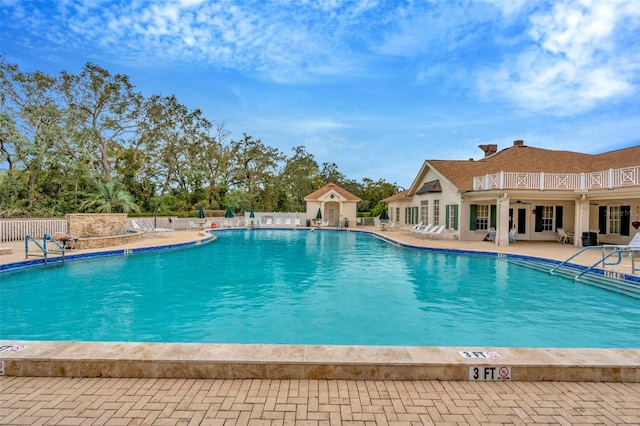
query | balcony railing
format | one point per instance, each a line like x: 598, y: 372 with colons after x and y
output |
x: 606, y: 179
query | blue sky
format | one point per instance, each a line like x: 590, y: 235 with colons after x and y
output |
x: 375, y: 86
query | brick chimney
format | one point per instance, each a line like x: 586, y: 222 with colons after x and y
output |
x: 489, y: 149
x: 518, y: 142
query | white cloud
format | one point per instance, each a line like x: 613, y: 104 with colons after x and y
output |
x: 575, y: 63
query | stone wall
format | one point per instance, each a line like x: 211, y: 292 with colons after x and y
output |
x: 91, y: 225
x: 98, y: 242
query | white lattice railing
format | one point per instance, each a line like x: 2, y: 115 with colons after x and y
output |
x: 606, y: 179
x: 16, y: 230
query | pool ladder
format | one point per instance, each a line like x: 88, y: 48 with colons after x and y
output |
x: 608, y: 252
x: 42, y: 247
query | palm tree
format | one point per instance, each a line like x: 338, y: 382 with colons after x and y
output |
x: 108, y: 198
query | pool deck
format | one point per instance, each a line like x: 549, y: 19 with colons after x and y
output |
x: 141, y: 383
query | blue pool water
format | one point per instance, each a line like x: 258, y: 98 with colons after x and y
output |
x: 301, y: 287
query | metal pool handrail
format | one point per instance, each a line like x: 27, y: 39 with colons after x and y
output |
x: 43, y: 247
x: 615, y: 250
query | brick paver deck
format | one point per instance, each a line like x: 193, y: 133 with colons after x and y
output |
x: 72, y: 401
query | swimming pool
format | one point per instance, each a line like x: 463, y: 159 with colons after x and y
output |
x: 301, y: 287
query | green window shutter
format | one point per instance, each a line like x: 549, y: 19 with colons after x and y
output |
x: 455, y: 217
x: 493, y: 218
x: 538, y: 213
x: 473, y: 216
x: 446, y: 215
x: 602, y: 219
x: 559, y: 217
x: 625, y: 220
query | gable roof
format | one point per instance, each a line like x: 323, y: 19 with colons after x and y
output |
x: 526, y: 159
x: 316, y: 195
x: 397, y: 197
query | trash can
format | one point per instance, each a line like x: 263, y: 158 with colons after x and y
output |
x: 308, y: 223
x: 589, y: 239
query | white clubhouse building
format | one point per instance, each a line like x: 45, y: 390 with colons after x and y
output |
x: 534, y: 191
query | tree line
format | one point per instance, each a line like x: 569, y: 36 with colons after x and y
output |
x: 90, y: 142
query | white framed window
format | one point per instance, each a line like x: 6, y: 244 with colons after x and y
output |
x: 424, y: 211
x: 547, y: 218
x: 453, y: 216
x: 397, y: 216
x: 615, y: 216
x: 436, y: 212
x: 482, y: 217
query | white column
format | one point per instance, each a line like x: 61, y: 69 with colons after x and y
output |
x: 502, y: 221
x: 582, y: 220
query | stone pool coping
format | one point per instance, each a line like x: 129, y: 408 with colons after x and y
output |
x: 236, y: 361
x: 257, y: 361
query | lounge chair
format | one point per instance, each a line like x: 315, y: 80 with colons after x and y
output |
x: 296, y: 222
x: 278, y: 221
x: 435, y: 232
x: 147, y: 227
x: 422, y: 230
x: 287, y: 221
x: 408, y: 229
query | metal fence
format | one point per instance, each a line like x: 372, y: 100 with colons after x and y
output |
x: 17, y: 229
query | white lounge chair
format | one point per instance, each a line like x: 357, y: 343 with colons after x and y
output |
x: 278, y: 221
x: 148, y: 226
x: 563, y: 236
x: 296, y: 222
x: 422, y: 230
x: 287, y: 221
x: 408, y: 229
x: 435, y: 232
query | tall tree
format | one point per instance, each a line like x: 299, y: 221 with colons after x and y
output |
x: 299, y: 177
x: 30, y: 127
x: 104, y: 113
x: 253, y: 168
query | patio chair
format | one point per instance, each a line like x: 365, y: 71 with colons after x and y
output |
x: 435, y: 232
x: 147, y: 227
x: 408, y: 229
x: 563, y: 236
x: 491, y: 235
x: 422, y: 230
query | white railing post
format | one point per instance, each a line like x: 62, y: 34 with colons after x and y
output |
x: 583, y: 182
x: 501, y: 180
x: 541, y: 181
x: 610, y: 183
x: 486, y: 182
